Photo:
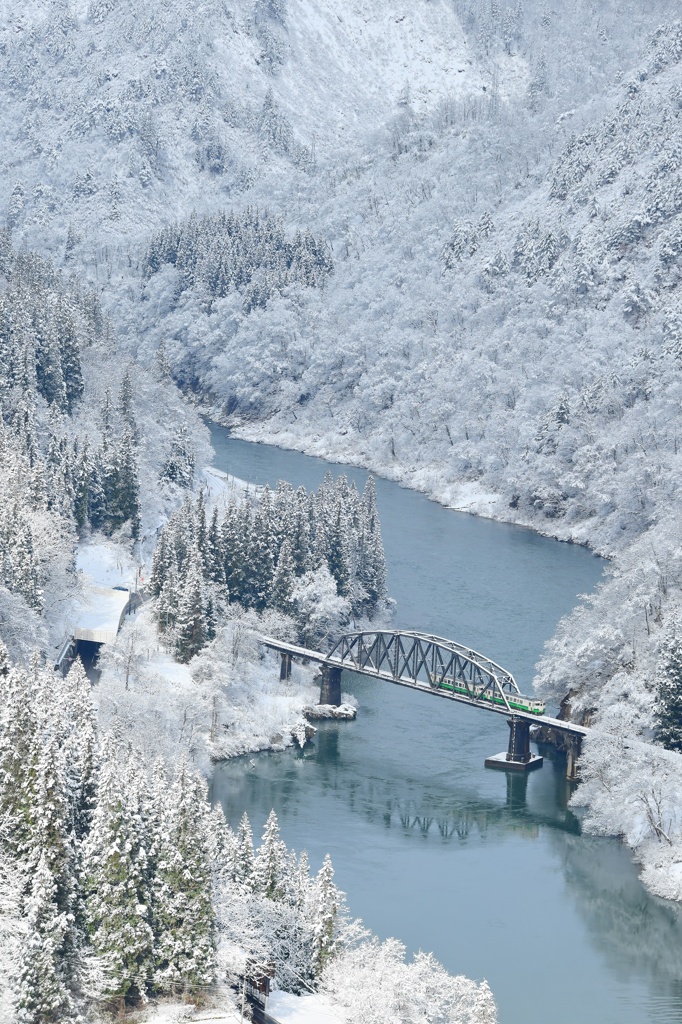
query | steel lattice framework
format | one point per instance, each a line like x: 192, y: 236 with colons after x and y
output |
x: 420, y: 659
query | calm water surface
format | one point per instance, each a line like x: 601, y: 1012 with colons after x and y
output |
x: 487, y: 870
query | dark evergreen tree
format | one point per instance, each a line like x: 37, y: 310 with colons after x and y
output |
x: 81, y: 485
x: 125, y: 505
x: 67, y: 335
x: 260, y: 564
x: 184, y: 919
x: 236, y: 533
x: 190, y: 632
x: 116, y: 883
x: 284, y: 579
x: 97, y: 503
x: 125, y: 402
x: 42, y: 994
x: 669, y: 691
x: 162, y: 562
x: 214, y: 558
x: 338, y: 550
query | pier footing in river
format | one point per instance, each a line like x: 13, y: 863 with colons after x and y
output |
x: 330, y: 688
x: 503, y: 763
x: 517, y: 757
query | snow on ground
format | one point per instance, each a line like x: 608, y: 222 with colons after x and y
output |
x: 228, y: 701
x: 284, y: 1007
x: 307, y: 1009
x: 103, y: 565
x: 106, y: 563
x: 221, y: 487
x: 366, y: 58
x: 98, y: 613
x: 174, y: 1013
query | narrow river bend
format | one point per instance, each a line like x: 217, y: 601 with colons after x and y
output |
x: 487, y: 870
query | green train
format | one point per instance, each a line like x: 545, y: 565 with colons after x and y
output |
x: 517, y: 701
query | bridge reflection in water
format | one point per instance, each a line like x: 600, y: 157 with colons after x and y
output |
x: 443, y: 668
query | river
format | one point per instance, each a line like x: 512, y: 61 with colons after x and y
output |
x: 488, y: 870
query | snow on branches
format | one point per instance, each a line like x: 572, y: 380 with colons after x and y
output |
x: 246, y: 252
x: 316, y: 557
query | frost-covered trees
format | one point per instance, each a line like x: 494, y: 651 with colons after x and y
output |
x: 326, y: 909
x: 270, y: 866
x: 296, y: 922
x: 116, y: 885
x: 374, y: 983
x: 181, y: 892
x: 318, y: 558
x: 109, y: 866
x: 179, y: 466
x: 42, y: 995
x: 248, y: 252
x: 668, y: 707
x: 45, y: 797
x: 319, y: 610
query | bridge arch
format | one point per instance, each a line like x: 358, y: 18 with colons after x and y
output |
x: 418, y: 659
x: 425, y: 662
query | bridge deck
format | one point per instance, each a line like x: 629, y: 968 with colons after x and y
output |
x: 545, y: 720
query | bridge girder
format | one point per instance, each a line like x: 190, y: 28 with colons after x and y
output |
x: 419, y: 658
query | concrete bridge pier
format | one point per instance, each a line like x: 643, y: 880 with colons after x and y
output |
x: 518, y: 756
x: 285, y: 666
x: 330, y: 689
x: 573, y: 750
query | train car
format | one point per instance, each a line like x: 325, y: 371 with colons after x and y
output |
x: 517, y: 701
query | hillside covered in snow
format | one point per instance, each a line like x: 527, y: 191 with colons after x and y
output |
x: 440, y: 240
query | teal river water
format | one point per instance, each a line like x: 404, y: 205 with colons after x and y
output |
x: 489, y: 871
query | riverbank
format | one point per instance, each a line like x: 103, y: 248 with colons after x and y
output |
x: 435, y: 482
x: 404, y: 805
x: 603, y: 651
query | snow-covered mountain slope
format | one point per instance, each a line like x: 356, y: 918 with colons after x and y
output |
x: 525, y: 339
x: 500, y: 192
x: 117, y: 114
x: 346, y: 68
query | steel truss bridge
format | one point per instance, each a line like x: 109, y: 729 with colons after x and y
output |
x: 421, y: 661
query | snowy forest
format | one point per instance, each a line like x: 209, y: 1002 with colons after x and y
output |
x: 439, y: 240
x: 269, y: 556
x: 119, y: 883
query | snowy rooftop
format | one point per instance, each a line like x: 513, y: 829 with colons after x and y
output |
x: 307, y: 1009
x: 104, y: 566
x: 99, y: 614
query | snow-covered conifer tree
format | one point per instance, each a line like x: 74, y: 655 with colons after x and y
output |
x: 214, y: 558
x: 161, y: 565
x: 284, y: 579
x: 125, y: 401
x: 301, y: 533
x: 115, y: 882
x: 190, y: 632
x: 236, y: 532
x: 244, y: 856
x: 179, y: 466
x: 669, y: 691
x: 260, y: 563
x: 338, y: 549
x: 81, y: 485
x: 126, y: 503
x: 42, y: 994
x: 184, y: 920
x: 326, y: 908
x: 80, y: 745
x: 269, y: 873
